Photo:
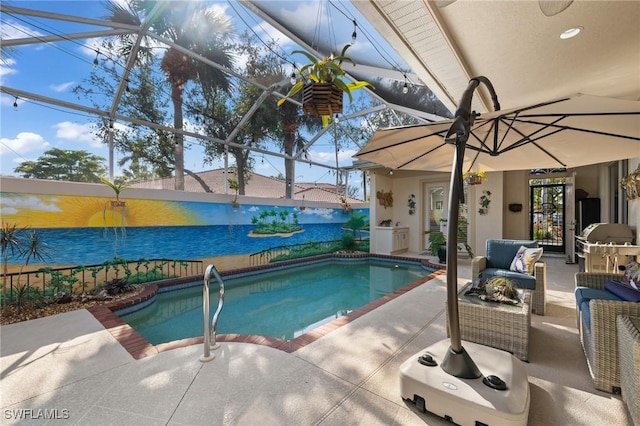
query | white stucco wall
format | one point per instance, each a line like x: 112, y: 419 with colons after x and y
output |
x: 516, y: 191
x: 499, y: 222
x: 491, y: 225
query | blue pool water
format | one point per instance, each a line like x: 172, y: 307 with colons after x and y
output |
x: 284, y: 303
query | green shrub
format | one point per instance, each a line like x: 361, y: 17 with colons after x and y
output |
x: 348, y: 242
x: 117, y: 286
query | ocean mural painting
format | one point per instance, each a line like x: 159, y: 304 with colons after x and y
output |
x: 81, y: 230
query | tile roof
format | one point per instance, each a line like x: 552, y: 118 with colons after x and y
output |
x: 257, y: 186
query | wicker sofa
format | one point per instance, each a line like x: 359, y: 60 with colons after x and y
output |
x: 497, y: 261
x: 596, y: 313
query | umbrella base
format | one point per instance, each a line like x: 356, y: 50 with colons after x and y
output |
x: 468, y: 401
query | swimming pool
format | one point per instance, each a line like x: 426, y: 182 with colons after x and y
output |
x: 284, y: 303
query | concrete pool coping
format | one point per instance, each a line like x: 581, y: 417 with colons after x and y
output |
x: 136, y: 345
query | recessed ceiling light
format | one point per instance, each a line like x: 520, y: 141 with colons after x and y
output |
x: 571, y: 32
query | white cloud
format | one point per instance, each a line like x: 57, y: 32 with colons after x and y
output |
x: 122, y: 127
x: 322, y: 212
x: 78, y: 133
x: 31, y: 202
x: 8, y: 211
x: 90, y: 47
x: 22, y: 143
x: 329, y: 157
x: 220, y: 9
x: 305, y: 16
x: 6, y: 68
x: 267, y: 32
x: 15, y: 30
x: 62, y: 86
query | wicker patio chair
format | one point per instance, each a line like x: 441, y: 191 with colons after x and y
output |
x: 499, y: 256
x: 600, y: 341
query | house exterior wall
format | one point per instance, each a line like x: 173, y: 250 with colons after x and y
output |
x: 505, y: 187
x: 516, y: 191
x: 492, y: 224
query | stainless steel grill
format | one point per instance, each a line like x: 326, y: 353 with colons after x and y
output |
x: 604, y: 247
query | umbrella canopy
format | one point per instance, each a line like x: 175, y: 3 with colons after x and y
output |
x: 568, y: 132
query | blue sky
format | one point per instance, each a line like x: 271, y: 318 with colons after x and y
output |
x: 52, y: 69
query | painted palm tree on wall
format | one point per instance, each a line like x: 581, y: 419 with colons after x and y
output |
x: 188, y: 26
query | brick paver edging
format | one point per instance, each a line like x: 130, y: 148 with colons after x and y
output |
x: 139, y: 347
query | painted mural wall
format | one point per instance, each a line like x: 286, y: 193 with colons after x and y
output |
x: 88, y: 229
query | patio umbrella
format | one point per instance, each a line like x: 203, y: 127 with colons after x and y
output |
x: 567, y: 132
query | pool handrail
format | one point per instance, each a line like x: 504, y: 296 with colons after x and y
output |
x: 210, y: 330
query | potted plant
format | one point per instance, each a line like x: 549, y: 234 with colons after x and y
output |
x: 346, y: 207
x: 437, y: 245
x: 438, y: 241
x: 323, y: 85
x: 233, y: 184
x: 474, y: 178
x: 117, y: 188
x: 114, y: 214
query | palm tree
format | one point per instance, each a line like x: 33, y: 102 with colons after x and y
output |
x: 191, y: 25
x: 291, y: 119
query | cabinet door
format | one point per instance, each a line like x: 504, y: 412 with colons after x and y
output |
x: 400, y: 240
x: 404, y: 240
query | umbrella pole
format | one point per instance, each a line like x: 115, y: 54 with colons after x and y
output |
x: 457, y: 361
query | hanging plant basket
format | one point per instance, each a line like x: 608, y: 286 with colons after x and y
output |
x: 474, y: 180
x: 322, y: 99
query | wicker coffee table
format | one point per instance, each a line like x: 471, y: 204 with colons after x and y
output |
x: 499, y: 325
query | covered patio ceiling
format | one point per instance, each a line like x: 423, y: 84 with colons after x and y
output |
x: 517, y: 45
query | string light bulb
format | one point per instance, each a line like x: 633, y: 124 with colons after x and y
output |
x: 95, y: 60
x: 405, y: 88
x: 293, y: 77
x: 354, y: 35
x: 15, y: 104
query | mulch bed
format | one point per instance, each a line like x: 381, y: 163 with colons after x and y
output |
x: 37, y: 309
